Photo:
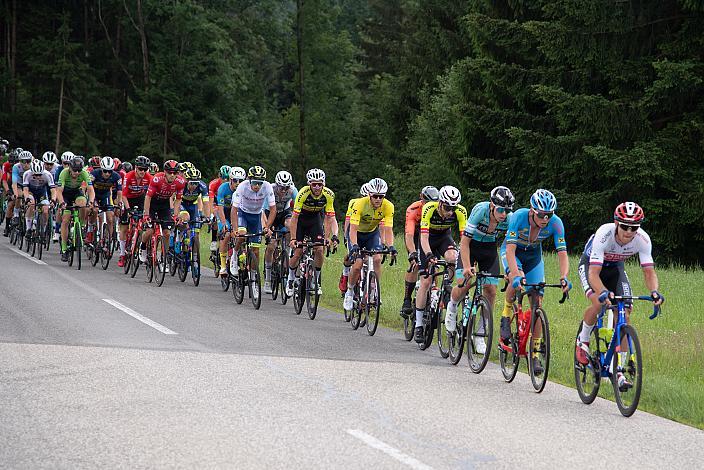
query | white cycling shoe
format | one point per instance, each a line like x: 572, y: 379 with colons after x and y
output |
x: 450, y: 321
x: 348, y: 303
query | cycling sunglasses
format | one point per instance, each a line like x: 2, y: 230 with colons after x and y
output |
x: 376, y: 196
x: 256, y: 182
x: 544, y: 215
x: 501, y: 210
x: 448, y: 207
x: 316, y: 185
x: 629, y: 228
x: 171, y: 172
x: 141, y: 168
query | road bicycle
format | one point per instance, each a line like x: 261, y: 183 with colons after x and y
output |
x: 156, y: 264
x: 606, y: 354
x: 279, y: 266
x: 367, y: 292
x: 435, y: 305
x: 132, y: 240
x: 186, y: 252
x: 530, y: 337
x: 18, y: 229
x: 74, y: 244
x: 306, y: 287
x: 243, y: 270
x: 474, y: 325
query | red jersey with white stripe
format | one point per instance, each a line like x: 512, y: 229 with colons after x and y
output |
x: 603, y: 249
x: 159, y: 188
x: 134, y: 187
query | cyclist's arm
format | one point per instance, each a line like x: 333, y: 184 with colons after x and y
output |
x: 233, y: 217
x: 293, y: 225
x: 53, y: 193
x: 353, y: 233
x: 594, y: 277
x: 60, y: 194
x: 331, y: 222
x: 511, y: 260
x: 387, y: 235
x: 91, y: 194
x: 651, y: 278
x: 177, y: 204
x: 465, y: 243
x: 564, y: 263
x: 272, y: 216
x: 424, y: 242
x: 125, y: 202
x: 147, y: 204
x: 25, y: 192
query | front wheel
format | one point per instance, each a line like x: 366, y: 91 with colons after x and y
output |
x: 238, y: 284
x: 539, y: 347
x: 443, y: 335
x: 275, y: 281
x: 508, y: 352
x: 457, y: 338
x: 106, y: 247
x: 481, y: 331
x: 312, y: 296
x: 195, y: 261
x: 373, y: 303
x: 588, y: 377
x: 299, y: 297
x: 255, y: 282
x: 160, y: 263
x: 78, y: 245
x: 628, y: 366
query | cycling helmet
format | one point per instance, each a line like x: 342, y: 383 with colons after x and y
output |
x: 315, y: 174
x: 118, y: 163
x: 429, y: 193
x: 364, y: 190
x: 284, y: 179
x: 543, y: 200
x: 153, y: 168
x: 49, y: 157
x: 76, y: 163
x: 170, y: 165
x: 66, y: 156
x: 237, y: 173
x: 80, y: 157
x: 224, y: 172
x: 189, y: 165
x: 19, y: 150
x: 107, y: 163
x: 629, y: 213
x: 127, y: 167
x: 26, y: 156
x: 257, y: 173
x: 37, y: 167
x: 501, y: 196
x: 378, y: 186
x: 449, y: 195
x: 193, y: 175
x: 182, y: 167
x: 142, y: 161
x: 94, y: 161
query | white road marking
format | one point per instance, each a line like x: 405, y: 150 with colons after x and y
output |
x: 20, y: 252
x: 140, y: 317
x: 372, y: 441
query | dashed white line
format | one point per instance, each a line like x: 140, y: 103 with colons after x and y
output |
x: 372, y: 441
x: 20, y: 252
x: 140, y: 317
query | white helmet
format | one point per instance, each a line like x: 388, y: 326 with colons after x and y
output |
x: 37, y: 167
x: 284, y: 179
x: 238, y: 173
x: 49, y: 157
x: 107, y: 163
x: 364, y: 190
x: 66, y: 156
x: 26, y: 155
x: 450, y: 195
x: 377, y: 186
x: 315, y: 174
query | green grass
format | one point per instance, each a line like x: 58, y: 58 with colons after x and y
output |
x: 672, y: 344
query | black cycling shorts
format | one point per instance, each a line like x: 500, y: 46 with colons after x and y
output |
x: 485, y: 255
x: 439, y: 244
x: 311, y: 226
x: 613, y: 277
x: 133, y: 202
x: 160, y: 209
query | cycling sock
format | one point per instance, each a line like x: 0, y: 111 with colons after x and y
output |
x: 585, y: 333
x: 267, y: 271
x: 508, y: 308
x: 452, y: 306
x: 223, y: 259
x: 419, y: 317
x: 122, y: 247
x: 409, y: 290
x: 28, y: 223
x: 317, y: 275
x: 345, y: 270
x: 142, y: 246
x: 291, y: 273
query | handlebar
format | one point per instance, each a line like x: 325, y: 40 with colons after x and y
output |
x: 384, y: 252
x: 629, y: 298
x: 480, y: 275
x: 541, y: 285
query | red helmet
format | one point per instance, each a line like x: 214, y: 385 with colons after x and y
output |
x: 94, y: 161
x: 170, y: 165
x: 629, y: 213
x: 118, y: 163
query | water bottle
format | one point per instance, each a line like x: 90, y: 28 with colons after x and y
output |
x: 242, y: 260
x: 434, y: 298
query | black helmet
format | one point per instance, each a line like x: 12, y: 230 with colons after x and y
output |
x: 76, y: 164
x: 142, y: 161
x: 501, y: 196
x: 127, y: 167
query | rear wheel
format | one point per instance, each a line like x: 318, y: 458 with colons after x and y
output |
x: 93, y: 249
x: 195, y: 261
x: 299, y: 297
x: 161, y: 260
x: 356, y: 312
x: 275, y: 280
x: 457, y: 338
x: 150, y: 262
x: 135, y: 254
x: 428, y: 326
x: 181, y: 261
x: 78, y: 245
x: 106, y: 247
x: 255, y: 281
x: 630, y: 364
x: 587, y: 378
x: 284, y: 276
x: 238, y: 284
x: 443, y: 334
x: 539, y: 347
x: 480, y: 329
x: 508, y: 354
x: 312, y: 297
x: 373, y: 303
x: 224, y: 280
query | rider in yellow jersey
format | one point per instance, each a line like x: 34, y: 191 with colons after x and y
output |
x: 363, y: 191
x: 436, y: 241
x: 369, y: 214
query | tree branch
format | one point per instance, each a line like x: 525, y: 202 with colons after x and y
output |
x: 112, y: 47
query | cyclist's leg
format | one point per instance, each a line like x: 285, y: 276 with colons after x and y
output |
x: 253, y: 224
x: 510, y: 296
x: 29, y: 214
x: 424, y: 286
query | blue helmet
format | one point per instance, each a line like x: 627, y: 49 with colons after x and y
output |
x: 543, y: 200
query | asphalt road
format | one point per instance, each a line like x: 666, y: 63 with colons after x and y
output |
x: 100, y: 370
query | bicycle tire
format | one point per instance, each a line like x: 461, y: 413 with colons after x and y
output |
x: 171, y: 260
x: 356, y: 312
x: 311, y: 291
x: 105, y: 247
x: 94, y: 248
x: 149, y: 264
x: 78, y: 245
x: 195, y: 260
x: 225, y: 280
x: 508, y: 360
x: 443, y: 338
x: 542, y: 352
x: 457, y: 338
x: 428, y: 325
x: 40, y: 238
x: 477, y: 362
x: 161, y: 260
x: 633, y: 371
x: 275, y: 282
x: 182, y: 263
x: 135, y: 256
x: 284, y: 275
x: 373, y: 303
x: 254, y: 294
x: 587, y: 378
x: 299, y: 294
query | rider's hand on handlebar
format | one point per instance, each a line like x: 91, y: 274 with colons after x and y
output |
x: 335, y: 241
x: 605, y: 297
x: 393, y: 250
x: 468, y: 273
x: 566, y: 285
x: 431, y: 259
x: 516, y: 282
x: 658, y: 298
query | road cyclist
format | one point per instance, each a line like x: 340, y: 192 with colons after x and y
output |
x: 285, y: 193
x: 224, y: 212
x: 134, y: 189
x: 70, y: 191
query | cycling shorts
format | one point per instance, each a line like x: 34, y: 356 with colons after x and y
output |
x: 486, y: 256
x: 227, y: 211
x: 310, y: 225
x: 439, y: 243
x: 41, y: 197
x: 530, y: 262
x: 104, y: 203
x: 193, y: 212
x: 70, y: 196
x: 161, y: 209
x: 369, y: 240
x: 251, y: 222
x: 613, y: 277
x: 133, y: 202
x: 280, y: 219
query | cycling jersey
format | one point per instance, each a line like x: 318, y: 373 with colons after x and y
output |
x: 103, y: 186
x: 190, y: 196
x: 7, y: 172
x: 283, y: 199
x: 213, y: 188
x: 431, y: 221
x: 348, y: 214
x: 603, y: 249
x: 477, y: 227
x: 250, y: 201
x: 224, y: 198
x: 159, y: 188
x: 73, y: 183
x: 307, y: 202
x: 133, y: 187
x: 519, y: 232
x: 413, y: 216
x: 18, y: 173
x: 38, y: 184
x: 57, y: 172
x: 367, y: 218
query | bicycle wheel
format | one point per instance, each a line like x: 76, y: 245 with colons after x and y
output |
x: 40, y: 238
x: 161, y: 260
x: 106, y: 247
x: 630, y: 364
x: 443, y: 334
x: 149, y: 264
x: 480, y: 328
x: 299, y: 294
x: 539, y: 356
x: 94, y: 248
x: 588, y: 377
x: 195, y: 261
x: 181, y: 260
x: 356, y: 312
x: 171, y: 261
x: 457, y: 338
x: 48, y: 232
x: 225, y: 280
x: 284, y: 276
x: 135, y: 256
x: 255, y: 282
x: 274, y: 281
x: 32, y: 243
x: 78, y: 245
x: 429, y: 323
x: 508, y: 356
x: 312, y: 296
x: 373, y: 303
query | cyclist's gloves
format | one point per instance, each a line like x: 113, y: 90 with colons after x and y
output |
x: 517, y: 282
x: 430, y: 257
x: 393, y: 251
x: 413, y: 257
x: 335, y: 240
x: 566, y: 282
x: 657, y: 296
x: 605, y: 294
